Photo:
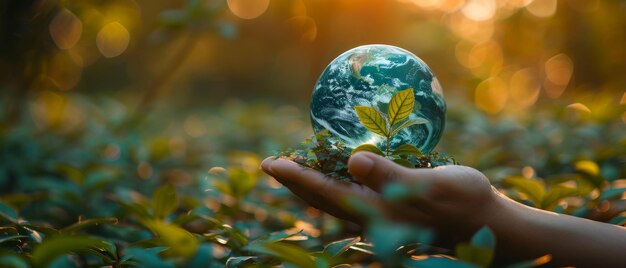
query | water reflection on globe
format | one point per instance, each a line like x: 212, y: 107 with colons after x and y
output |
x: 370, y: 75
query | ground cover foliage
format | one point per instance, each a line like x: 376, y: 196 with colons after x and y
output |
x: 184, y: 188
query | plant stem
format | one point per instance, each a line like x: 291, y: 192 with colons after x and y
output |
x: 388, y: 143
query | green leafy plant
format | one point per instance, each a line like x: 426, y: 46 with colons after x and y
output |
x: 388, y: 125
x: 141, y: 196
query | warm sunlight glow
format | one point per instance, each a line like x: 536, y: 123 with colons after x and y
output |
x: 479, y: 10
x: 491, y: 95
x: 579, y: 107
x: 248, y: 9
x: 305, y: 26
x: 559, y: 70
x: 524, y: 88
x: 542, y: 8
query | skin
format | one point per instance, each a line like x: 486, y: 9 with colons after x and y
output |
x: 456, y: 201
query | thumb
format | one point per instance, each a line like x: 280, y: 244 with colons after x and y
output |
x: 375, y: 171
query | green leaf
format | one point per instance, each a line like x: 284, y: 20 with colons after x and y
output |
x: 367, y: 148
x: 35, y: 229
x: 240, y: 181
x: 181, y: 243
x: 556, y: 193
x: 534, y: 189
x: 57, y: 246
x: 407, y: 149
x: 87, y: 223
x: 484, y: 238
x: 8, y: 213
x: 285, y: 252
x: 12, y: 238
x: 477, y: 255
x: 13, y: 261
x: 387, y: 237
x: 611, y: 193
x: 435, y: 261
x: 277, y: 236
x: 404, y: 163
x: 164, y: 201
x: 242, y: 261
x: 372, y: 120
x: 203, y: 257
x: 401, y: 106
x: 618, y: 220
x: 146, y: 257
x: 408, y: 123
x: 338, y: 247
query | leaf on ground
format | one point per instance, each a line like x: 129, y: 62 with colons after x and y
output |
x: 8, y: 213
x: 555, y: 194
x: 164, y: 201
x: 87, y: 223
x: 612, y: 193
x: 146, y: 257
x: 484, y: 238
x: 534, y: 189
x: 242, y: 261
x: 181, y: 243
x: 13, y: 261
x: 54, y: 247
x: 437, y: 262
x: 12, y: 238
x: 285, y: 252
x: 338, y: 247
x: 477, y: 255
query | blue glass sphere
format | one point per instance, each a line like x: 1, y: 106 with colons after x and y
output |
x: 370, y: 75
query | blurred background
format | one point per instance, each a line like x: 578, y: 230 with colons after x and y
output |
x: 102, y: 102
x: 194, y: 65
x: 503, y: 56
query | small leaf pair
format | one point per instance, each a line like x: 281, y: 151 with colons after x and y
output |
x: 397, y: 118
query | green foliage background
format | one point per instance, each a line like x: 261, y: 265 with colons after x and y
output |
x: 150, y: 158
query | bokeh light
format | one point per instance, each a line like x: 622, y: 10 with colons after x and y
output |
x: 542, y: 8
x: 479, y: 10
x: 248, y: 9
x: 491, y: 95
x: 113, y: 39
x: 65, y: 29
x: 559, y: 70
x: 524, y: 88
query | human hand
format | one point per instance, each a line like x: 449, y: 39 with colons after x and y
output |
x: 454, y: 198
x: 457, y: 201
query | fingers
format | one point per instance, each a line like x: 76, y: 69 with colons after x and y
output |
x: 330, y: 195
x: 376, y: 171
x: 318, y: 190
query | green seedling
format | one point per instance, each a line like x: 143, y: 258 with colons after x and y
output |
x: 388, y: 125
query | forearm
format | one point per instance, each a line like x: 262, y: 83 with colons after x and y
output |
x: 526, y: 233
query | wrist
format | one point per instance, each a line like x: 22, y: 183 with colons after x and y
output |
x: 499, y: 212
